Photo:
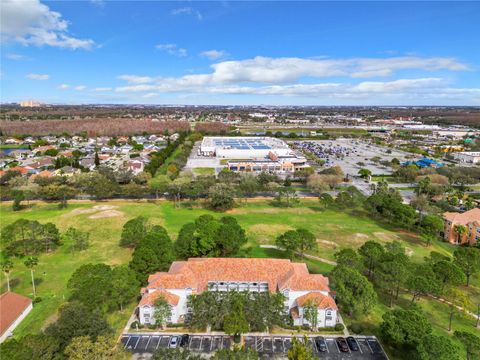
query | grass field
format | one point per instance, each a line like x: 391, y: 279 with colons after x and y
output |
x: 204, y: 171
x: 262, y: 222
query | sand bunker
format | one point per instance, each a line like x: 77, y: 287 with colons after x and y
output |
x: 97, y: 211
x: 327, y: 243
x: 106, y: 214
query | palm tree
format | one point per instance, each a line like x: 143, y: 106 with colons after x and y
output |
x: 7, y: 266
x: 31, y: 262
x: 460, y: 230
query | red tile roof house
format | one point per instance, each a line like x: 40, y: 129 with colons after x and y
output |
x: 196, y: 275
x: 13, y: 309
x: 470, y: 219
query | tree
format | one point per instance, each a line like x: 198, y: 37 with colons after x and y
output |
x: 124, y: 285
x: 391, y: 274
x: 175, y: 354
x: 468, y: 259
x: 7, y: 266
x: 289, y: 241
x: 160, y: 184
x: 30, y: 263
x: 457, y: 299
x: 326, y: 200
x: 162, y: 311
x: 63, y: 193
x: 423, y: 281
x: 349, y: 258
x: 310, y: 313
x: 74, y: 320
x: 235, y: 322
x: 248, y: 185
x: 39, y: 346
x: 78, y: 239
x: 91, y: 285
x: 460, y: 230
x: 354, y: 291
x: 317, y: 183
x: 306, y: 241
x: 299, y: 350
x: 433, y: 347
x: 371, y: 252
x: 18, y: 196
x: 97, y: 159
x: 448, y: 273
x: 431, y: 225
x: 220, y: 197
x: 404, y: 328
x: 235, y: 354
x: 286, y: 197
x: 364, y: 173
x: 83, y: 348
x: 471, y: 343
x: 133, y: 231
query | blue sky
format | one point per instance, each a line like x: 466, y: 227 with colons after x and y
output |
x: 300, y: 53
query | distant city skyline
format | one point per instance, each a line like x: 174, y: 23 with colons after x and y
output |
x: 240, y: 53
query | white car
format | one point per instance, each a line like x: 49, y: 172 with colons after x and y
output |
x: 173, y: 342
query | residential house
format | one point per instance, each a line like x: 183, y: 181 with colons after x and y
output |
x: 470, y: 219
x: 13, y: 309
x: 197, y: 275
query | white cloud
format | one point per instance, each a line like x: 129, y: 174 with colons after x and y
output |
x: 99, y: 3
x: 64, y: 86
x: 134, y: 79
x: 102, y: 89
x: 172, y: 49
x: 40, y: 77
x: 187, y: 11
x: 30, y: 22
x: 214, y: 54
x: 12, y: 56
x: 150, y: 95
x: 80, y: 87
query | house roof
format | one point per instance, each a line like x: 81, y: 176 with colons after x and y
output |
x: 44, y: 173
x: 278, y: 273
x: 320, y: 300
x: 11, y: 307
x: 470, y: 216
x: 149, y: 299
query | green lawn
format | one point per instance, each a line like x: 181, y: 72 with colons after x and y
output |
x: 204, y: 171
x: 262, y: 222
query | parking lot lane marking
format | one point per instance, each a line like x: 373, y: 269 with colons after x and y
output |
x: 135, y: 347
x: 190, y: 343
x: 201, y: 341
x: 368, y: 343
x: 148, y: 342
x: 335, y: 341
x: 159, y: 340
x: 359, y: 347
x: 126, y: 344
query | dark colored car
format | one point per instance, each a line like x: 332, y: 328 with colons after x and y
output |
x: 342, y: 344
x: 184, y: 339
x: 352, y: 343
x: 320, y: 344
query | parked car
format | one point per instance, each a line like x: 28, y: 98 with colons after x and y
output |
x: 352, y: 343
x: 342, y: 344
x: 184, y: 340
x: 321, y: 344
x: 173, y: 342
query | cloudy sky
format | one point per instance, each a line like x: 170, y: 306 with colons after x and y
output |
x: 303, y: 53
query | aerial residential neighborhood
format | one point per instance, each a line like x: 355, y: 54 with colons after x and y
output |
x: 246, y: 180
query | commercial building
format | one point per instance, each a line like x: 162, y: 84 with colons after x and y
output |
x: 197, y: 275
x: 471, y: 157
x: 470, y: 219
x: 13, y: 309
x: 253, y: 154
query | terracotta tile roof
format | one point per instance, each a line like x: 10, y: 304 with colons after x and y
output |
x: 11, y: 307
x: 278, y: 273
x: 465, y: 218
x: 20, y: 169
x: 322, y: 301
x: 44, y: 173
x: 149, y: 299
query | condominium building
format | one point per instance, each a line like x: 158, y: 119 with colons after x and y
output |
x: 197, y: 275
x: 470, y: 219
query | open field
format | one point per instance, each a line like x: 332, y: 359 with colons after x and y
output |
x: 262, y: 222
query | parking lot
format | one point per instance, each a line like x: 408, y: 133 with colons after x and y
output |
x: 146, y: 343
x: 271, y: 347
x: 268, y: 347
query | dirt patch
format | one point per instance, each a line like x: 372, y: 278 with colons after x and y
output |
x: 106, y: 214
x: 386, y: 236
x: 271, y: 210
x: 95, y: 209
x: 76, y: 212
x: 328, y: 244
x: 104, y: 207
x: 409, y: 252
x: 361, y: 236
